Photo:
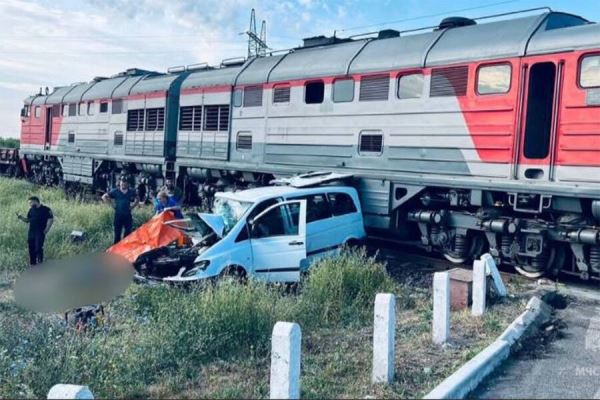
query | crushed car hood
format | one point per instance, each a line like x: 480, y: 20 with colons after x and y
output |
x: 215, y: 222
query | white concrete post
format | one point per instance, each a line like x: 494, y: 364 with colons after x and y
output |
x: 285, y: 361
x: 441, y: 307
x: 62, y: 391
x: 384, y: 338
x: 492, y: 270
x: 479, y: 288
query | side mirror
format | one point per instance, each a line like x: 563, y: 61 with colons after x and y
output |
x: 23, y: 112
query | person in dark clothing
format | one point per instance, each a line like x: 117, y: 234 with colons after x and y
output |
x: 40, y: 220
x: 123, y: 200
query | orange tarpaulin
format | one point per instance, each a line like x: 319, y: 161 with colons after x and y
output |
x: 152, y: 235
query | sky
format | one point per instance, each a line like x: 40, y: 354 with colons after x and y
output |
x: 59, y: 42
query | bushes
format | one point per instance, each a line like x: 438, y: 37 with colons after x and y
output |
x: 342, y: 289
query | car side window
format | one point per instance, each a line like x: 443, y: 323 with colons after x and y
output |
x: 317, y: 207
x: 341, y: 204
x: 273, y: 224
x: 243, y: 235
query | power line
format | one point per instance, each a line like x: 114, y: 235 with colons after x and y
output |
x: 429, y: 16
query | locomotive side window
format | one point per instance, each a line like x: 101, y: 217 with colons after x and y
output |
x: 494, y: 79
x: 281, y: 94
x: 103, y: 107
x: 37, y: 112
x: 65, y: 110
x: 589, y: 75
x: 343, y: 90
x: 237, y: 97
x: 375, y: 87
x: 253, y: 96
x: 117, y: 106
x: 72, y: 110
x: 410, y: 86
x: 314, y: 92
x: 91, y: 108
x: 82, y: 108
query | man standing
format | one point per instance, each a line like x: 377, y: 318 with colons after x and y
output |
x: 123, y: 201
x: 40, y: 220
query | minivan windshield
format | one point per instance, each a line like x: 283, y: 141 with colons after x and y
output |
x: 231, y: 211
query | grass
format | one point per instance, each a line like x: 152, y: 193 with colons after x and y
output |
x: 213, y: 340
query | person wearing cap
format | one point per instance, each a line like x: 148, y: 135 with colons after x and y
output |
x: 40, y: 219
x: 123, y: 200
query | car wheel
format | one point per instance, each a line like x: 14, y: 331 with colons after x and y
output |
x: 235, y: 272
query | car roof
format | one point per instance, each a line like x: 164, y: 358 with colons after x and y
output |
x: 267, y: 192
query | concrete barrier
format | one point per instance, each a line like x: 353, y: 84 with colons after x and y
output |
x: 285, y: 361
x: 479, y: 288
x: 384, y: 338
x: 441, y: 307
x: 471, y: 374
x: 63, y: 391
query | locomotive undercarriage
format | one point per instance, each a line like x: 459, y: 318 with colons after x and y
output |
x: 536, y: 241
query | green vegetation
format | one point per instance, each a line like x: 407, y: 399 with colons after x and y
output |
x: 69, y: 214
x: 213, y: 340
x: 9, y: 142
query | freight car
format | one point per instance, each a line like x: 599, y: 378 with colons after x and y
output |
x: 473, y: 135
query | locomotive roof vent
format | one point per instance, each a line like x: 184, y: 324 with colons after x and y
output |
x: 321, y: 40
x: 198, y: 67
x: 99, y: 78
x: 388, y: 34
x: 455, y: 22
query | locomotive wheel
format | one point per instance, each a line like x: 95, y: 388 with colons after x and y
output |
x: 534, y: 272
x: 475, y: 243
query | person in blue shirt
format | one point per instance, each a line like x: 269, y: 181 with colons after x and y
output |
x: 164, y: 202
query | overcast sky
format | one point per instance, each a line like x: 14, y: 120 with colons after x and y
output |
x: 58, y: 42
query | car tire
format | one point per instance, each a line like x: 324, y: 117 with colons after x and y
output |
x: 234, y: 272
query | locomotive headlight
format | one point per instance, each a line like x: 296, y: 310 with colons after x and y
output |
x: 201, y: 266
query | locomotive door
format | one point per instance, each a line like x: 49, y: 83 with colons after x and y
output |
x: 48, y: 128
x: 539, y: 120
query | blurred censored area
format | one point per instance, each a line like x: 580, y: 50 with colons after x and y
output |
x: 61, y: 285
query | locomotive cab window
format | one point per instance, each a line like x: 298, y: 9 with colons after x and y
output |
x: 589, y: 72
x: 37, y: 112
x: 314, y: 92
x: 72, y: 110
x: 493, y: 79
x: 91, y: 108
x: 410, y: 86
x: 82, y: 108
x: 343, y: 90
x: 65, y: 110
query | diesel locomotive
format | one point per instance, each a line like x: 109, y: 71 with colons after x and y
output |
x: 474, y: 135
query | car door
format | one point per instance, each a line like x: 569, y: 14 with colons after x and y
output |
x: 278, y: 242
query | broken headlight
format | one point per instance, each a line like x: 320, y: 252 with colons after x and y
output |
x: 201, y: 266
